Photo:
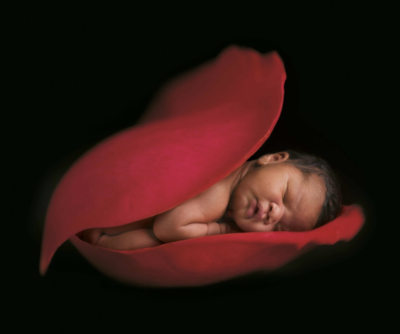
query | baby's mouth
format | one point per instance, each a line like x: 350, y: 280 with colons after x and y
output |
x: 256, y: 210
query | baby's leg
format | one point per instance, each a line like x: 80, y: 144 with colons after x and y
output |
x: 135, y: 235
x: 130, y: 240
x: 144, y: 223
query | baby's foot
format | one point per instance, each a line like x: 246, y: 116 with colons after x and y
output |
x: 92, y: 235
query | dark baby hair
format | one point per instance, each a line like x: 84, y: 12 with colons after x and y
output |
x: 311, y: 164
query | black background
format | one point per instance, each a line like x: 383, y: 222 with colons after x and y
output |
x: 82, y: 80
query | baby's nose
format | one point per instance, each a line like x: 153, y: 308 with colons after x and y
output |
x: 274, y: 213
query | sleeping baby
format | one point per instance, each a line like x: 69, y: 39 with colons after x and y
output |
x: 283, y: 191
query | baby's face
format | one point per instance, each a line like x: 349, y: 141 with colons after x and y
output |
x: 277, y: 197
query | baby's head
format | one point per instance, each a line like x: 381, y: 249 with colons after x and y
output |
x: 285, y: 191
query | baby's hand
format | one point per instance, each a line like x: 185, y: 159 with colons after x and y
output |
x: 229, y: 227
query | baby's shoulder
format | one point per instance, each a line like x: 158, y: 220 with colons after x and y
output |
x: 212, y: 202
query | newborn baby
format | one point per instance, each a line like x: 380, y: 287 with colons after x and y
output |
x: 284, y: 191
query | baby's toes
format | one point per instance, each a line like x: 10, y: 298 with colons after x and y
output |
x: 92, y: 235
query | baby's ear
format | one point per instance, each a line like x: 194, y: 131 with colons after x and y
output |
x: 273, y: 158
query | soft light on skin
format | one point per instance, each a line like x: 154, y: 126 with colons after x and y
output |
x: 288, y: 200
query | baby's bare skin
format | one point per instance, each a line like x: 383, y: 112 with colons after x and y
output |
x: 208, y: 209
x: 131, y: 236
x: 262, y: 195
x: 203, y: 215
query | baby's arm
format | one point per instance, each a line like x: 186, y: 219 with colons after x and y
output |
x: 184, y: 222
x: 195, y: 218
